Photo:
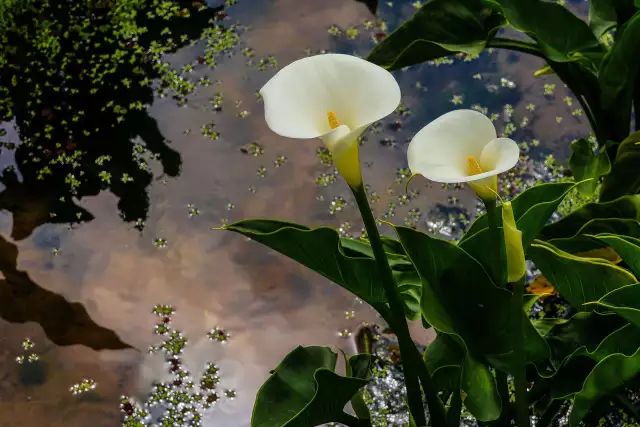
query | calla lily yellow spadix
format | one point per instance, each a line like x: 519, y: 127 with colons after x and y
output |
x: 462, y: 146
x: 333, y: 97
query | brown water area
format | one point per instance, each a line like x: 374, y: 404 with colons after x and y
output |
x: 116, y: 274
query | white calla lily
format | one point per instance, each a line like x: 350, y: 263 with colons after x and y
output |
x: 462, y: 146
x: 333, y: 97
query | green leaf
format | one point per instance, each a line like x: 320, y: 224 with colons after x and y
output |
x: 453, y: 368
x: 602, y: 16
x: 618, y: 74
x: 587, y: 165
x: 562, y: 36
x: 627, y: 227
x: 627, y: 247
x: 609, y: 374
x: 305, y: 391
x: 439, y: 28
x: 626, y: 207
x: 625, y: 340
x: 624, y: 301
x: 359, y: 366
x: 404, y: 273
x: 459, y: 298
x: 532, y: 209
x: 482, y: 398
x: 319, y: 249
x: 624, y: 177
x: 585, y: 330
x: 579, y: 280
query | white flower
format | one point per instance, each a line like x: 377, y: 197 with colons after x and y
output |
x: 333, y: 97
x: 462, y: 146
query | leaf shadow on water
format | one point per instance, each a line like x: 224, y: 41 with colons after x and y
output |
x: 65, y: 323
x: 75, y: 81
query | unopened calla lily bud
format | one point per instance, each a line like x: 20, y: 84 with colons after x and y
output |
x: 516, y: 267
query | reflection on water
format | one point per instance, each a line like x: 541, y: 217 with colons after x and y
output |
x: 78, y: 274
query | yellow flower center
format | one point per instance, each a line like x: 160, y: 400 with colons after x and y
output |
x: 485, y: 188
x: 473, y: 166
x: 333, y: 120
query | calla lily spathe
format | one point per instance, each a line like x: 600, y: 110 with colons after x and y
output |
x: 333, y: 97
x: 462, y: 146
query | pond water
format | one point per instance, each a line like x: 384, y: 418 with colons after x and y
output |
x: 94, y: 283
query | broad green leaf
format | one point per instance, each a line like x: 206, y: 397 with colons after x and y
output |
x: 608, y: 375
x: 622, y: 226
x: 439, y: 28
x: 562, y: 36
x: 624, y: 177
x: 602, y: 16
x: 459, y: 298
x: 624, y: 301
x: 359, y: 366
x: 617, y: 76
x: 320, y: 250
x: 627, y: 247
x: 443, y: 358
x: 584, y: 330
x: 579, y: 280
x: 587, y: 165
x: 404, y: 273
x: 625, y: 340
x: 532, y: 209
x: 453, y: 368
x: 305, y: 391
x: 482, y: 398
x: 606, y: 14
x: 626, y: 207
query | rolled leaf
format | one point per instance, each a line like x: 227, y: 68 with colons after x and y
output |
x: 532, y: 209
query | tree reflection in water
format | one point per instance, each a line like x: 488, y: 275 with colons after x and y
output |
x: 75, y: 81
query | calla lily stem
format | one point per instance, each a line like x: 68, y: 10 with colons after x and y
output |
x: 414, y: 369
x: 517, y: 338
x: 519, y: 374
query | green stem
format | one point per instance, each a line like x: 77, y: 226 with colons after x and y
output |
x: 519, y: 374
x: 636, y: 107
x: 412, y: 364
x: 496, y: 238
x: 503, y: 391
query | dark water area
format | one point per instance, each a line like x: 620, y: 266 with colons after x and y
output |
x: 80, y: 273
